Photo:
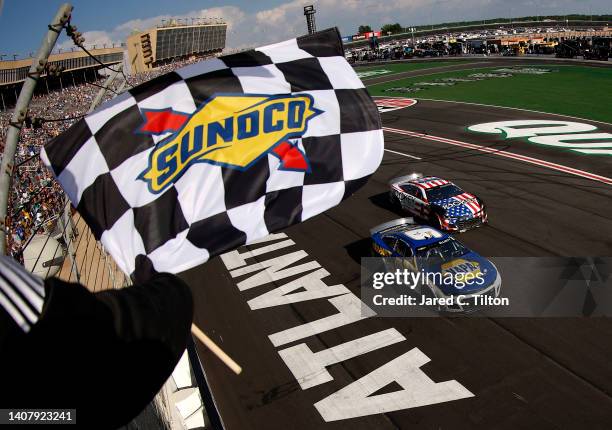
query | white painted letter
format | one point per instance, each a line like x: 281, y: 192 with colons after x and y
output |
x: 309, y: 368
x: 545, y: 127
x: 350, y: 309
x: 418, y: 390
x: 577, y: 142
x: 234, y: 259
x: 271, y: 270
x: 312, y: 283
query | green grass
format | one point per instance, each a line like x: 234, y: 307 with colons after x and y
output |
x: 580, y: 91
x: 408, y: 66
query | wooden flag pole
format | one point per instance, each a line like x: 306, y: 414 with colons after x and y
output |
x: 208, y: 343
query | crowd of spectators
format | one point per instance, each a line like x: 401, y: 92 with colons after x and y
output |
x: 36, y: 199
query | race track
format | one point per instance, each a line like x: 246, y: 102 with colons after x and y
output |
x: 523, y: 373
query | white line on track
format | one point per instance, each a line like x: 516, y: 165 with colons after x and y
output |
x: 405, y: 155
x: 506, y: 154
x: 500, y: 107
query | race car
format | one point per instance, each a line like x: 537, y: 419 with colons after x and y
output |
x: 438, y: 201
x: 449, y: 267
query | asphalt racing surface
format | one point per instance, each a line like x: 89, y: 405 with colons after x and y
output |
x: 519, y: 373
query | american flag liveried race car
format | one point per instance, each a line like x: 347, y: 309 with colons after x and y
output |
x: 442, y: 203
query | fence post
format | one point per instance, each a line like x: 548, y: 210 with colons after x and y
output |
x: 21, y: 110
x: 122, y: 86
x: 109, y: 80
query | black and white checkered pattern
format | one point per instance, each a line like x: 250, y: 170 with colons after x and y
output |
x: 211, y: 208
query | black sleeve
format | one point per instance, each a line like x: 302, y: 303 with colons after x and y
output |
x: 9, y: 332
x: 105, y: 354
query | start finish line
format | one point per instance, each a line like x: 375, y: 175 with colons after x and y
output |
x: 310, y: 368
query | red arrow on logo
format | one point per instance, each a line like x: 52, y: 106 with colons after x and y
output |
x: 291, y: 157
x: 163, y: 121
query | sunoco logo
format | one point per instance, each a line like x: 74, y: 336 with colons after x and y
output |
x: 231, y: 130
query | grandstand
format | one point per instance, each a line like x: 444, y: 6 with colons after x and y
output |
x: 155, y: 47
x: 77, y: 66
x: 553, y: 29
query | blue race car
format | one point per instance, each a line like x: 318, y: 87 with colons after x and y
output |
x: 443, y: 204
x: 448, y: 267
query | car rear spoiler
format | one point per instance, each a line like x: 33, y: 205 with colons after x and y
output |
x: 405, y: 178
x: 394, y: 223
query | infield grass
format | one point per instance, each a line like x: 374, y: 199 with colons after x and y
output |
x: 580, y: 91
x: 409, y: 66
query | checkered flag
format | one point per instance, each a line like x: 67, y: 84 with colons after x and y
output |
x: 220, y: 153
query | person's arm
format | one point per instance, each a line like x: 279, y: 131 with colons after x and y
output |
x: 105, y: 354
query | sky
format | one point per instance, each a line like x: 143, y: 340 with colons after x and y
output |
x: 255, y: 23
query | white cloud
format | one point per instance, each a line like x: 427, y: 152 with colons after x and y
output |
x: 232, y: 15
x: 277, y: 15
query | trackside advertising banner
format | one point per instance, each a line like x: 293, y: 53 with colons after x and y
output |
x: 220, y: 153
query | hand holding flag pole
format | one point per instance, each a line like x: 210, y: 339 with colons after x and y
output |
x: 214, y: 348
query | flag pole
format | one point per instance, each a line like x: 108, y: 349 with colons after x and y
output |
x: 214, y: 348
